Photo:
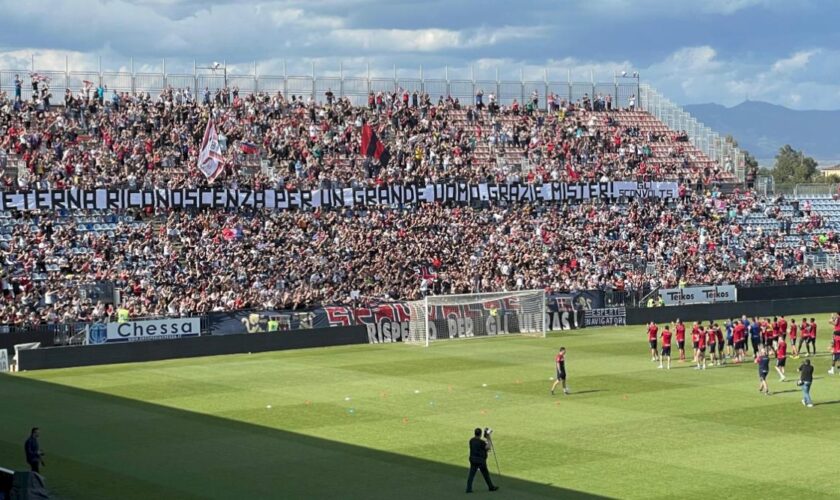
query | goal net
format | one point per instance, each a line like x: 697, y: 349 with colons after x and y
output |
x: 441, y: 317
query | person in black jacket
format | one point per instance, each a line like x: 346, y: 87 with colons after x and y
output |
x: 34, y: 455
x: 478, y: 461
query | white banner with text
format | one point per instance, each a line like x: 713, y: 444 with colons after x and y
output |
x: 699, y: 295
x: 288, y: 199
x: 137, y: 331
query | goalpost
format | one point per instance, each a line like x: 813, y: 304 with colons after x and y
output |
x: 442, y: 317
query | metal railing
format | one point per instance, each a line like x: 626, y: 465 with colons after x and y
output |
x: 621, y: 89
x: 715, y: 146
x: 816, y: 190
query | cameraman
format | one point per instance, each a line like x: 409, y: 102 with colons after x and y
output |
x: 806, y: 376
x: 478, y: 459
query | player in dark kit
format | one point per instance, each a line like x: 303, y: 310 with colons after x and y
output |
x: 680, y: 330
x: 653, y: 330
x: 560, y: 365
x: 763, y: 362
x: 781, y: 358
x: 730, y: 338
x: 666, y: 347
x: 755, y: 335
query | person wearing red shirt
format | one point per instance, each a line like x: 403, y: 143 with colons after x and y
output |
x: 783, y: 324
x: 711, y: 342
x: 813, y: 338
x: 666, y: 346
x: 653, y: 331
x: 695, y: 339
x: 805, y: 335
x: 680, y: 330
x: 835, y: 350
x: 739, y: 335
x: 781, y: 358
x: 560, y: 365
x: 701, y: 349
x: 767, y: 336
x: 835, y: 344
x: 792, y: 337
x: 719, y: 334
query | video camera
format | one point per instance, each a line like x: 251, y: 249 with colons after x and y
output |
x: 488, y: 432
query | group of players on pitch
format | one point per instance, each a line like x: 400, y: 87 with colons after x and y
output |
x: 765, y: 335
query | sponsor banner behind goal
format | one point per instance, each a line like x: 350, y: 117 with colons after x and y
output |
x: 285, y: 199
x: 389, y: 322
x: 605, y: 317
x: 137, y: 331
x: 699, y: 295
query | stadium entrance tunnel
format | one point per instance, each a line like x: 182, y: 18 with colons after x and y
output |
x: 104, y: 446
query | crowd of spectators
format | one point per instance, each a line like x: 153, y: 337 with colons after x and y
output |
x: 193, y: 262
x: 184, y: 263
x: 139, y: 140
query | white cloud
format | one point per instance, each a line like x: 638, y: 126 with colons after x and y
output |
x: 795, y: 62
x: 427, y: 40
x: 638, y: 8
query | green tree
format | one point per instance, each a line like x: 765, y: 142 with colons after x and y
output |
x: 794, y: 167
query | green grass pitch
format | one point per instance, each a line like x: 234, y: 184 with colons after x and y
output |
x: 393, y: 421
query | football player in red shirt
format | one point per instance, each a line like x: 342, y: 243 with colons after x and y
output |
x: 701, y: 349
x: 560, y: 365
x: 781, y: 358
x: 739, y: 337
x: 813, y: 338
x: 653, y: 330
x: 719, y: 335
x: 767, y: 335
x: 666, y: 346
x: 680, y: 330
x: 836, y: 352
x: 792, y: 336
x: 835, y: 344
x: 783, y: 324
x: 804, y: 336
x: 695, y: 339
x: 711, y: 343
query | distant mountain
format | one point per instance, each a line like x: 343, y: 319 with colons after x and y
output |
x: 762, y: 128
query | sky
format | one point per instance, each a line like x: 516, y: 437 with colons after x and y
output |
x: 723, y: 51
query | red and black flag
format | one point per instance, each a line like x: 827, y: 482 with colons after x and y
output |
x: 372, y: 146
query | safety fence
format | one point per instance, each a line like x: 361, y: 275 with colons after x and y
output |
x: 622, y: 91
